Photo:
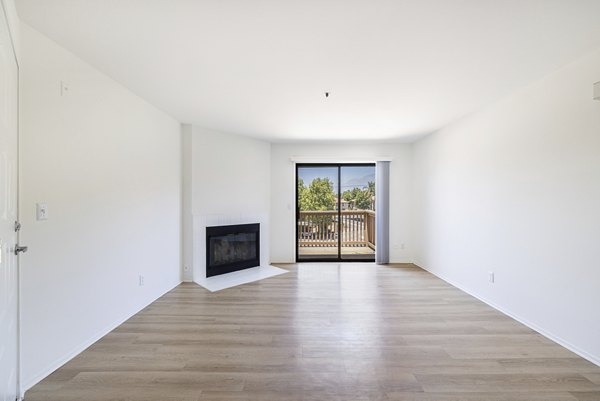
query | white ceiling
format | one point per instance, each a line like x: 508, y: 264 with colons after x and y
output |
x: 396, y: 69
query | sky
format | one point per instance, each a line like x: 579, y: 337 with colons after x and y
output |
x: 352, y: 176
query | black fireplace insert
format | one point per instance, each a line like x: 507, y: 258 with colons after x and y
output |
x: 232, y: 248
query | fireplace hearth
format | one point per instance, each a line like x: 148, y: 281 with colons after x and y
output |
x: 232, y: 248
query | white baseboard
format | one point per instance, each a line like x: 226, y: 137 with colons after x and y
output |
x: 84, y: 345
x: 557, y: 339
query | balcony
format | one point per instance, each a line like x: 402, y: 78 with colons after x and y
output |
x: 319, y: 233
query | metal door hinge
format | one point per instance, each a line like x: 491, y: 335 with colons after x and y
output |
x: 19, y: 249
x: 17, y: 226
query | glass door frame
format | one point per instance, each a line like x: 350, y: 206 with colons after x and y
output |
x: 339, y: 212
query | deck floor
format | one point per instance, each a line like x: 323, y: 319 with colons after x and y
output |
x: 328, y: 251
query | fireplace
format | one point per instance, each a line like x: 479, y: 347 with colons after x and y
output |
x: 232, y: 248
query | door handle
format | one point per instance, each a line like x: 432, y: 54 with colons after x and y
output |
x: 19, y: 249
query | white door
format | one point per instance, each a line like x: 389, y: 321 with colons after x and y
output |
x: 9, y: 284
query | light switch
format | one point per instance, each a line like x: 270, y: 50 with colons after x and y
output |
x: 42, y: 211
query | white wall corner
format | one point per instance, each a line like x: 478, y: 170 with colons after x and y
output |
x: 13, y: 25
x: 187, y: 255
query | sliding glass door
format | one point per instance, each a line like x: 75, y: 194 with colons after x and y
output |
x: 335, y: 216
x: 357, y: 212
x: 317, y: 216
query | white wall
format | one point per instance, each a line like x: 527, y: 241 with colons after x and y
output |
x: 230, y: 179
x: 108, y: 165
x: 283, y: 193
x: 514, y: 189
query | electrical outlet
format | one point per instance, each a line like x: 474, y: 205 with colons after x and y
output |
x: 141, y: 281
x: 491, y: 276
x: 41, y: 211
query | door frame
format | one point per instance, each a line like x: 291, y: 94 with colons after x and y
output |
x: 19, y: 373
x: 339, y: 191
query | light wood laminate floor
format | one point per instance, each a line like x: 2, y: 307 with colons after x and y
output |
x: 324, y: 332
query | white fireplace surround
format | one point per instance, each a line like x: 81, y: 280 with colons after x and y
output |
x: 223, y: 281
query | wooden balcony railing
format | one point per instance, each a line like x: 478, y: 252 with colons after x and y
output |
x: 321, y: 228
